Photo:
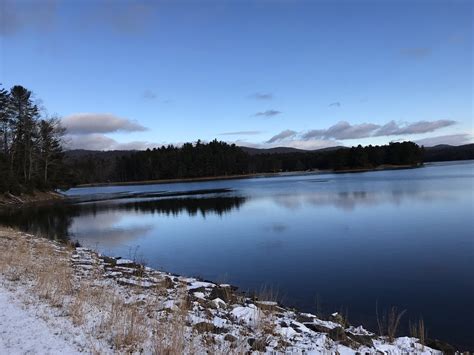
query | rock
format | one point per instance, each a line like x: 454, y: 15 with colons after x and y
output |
x: 338, y: 334
x: 204, y: 327
x: 365, y: 340
x: 317, y: 328
x: 198, y: 289
x: 338, y: 318
x: 259, y: 345
x: 439, y: 345
x: 295, y: 327
x: 219, y: 303
x: 304, y: 319
x: 107, y: 260
x: 224, y: 293
x: 230, y: 338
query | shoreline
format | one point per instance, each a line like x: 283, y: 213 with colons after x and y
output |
x: 249, y: 176
x: 10, y: 200
x: 199, y: 309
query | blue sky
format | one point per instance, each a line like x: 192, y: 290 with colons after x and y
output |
x: 309, y: 74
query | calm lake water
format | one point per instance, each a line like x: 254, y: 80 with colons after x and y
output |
x: 343, y: 241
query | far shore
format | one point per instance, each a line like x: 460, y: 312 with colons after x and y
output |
x: 250, y: 176
x: 11, y: 200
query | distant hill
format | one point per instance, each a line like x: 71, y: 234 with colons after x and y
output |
x: 441, y: 152
x: 284, y: 150
x: 445, y: 152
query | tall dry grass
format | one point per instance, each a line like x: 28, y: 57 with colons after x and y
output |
x: 418, y: 330
x: 388, y: 322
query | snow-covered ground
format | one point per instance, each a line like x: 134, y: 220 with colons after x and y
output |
x: 24, y: 332
x: 78, y: 301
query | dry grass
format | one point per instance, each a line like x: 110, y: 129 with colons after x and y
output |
x: 388, y: 322
x: 125, y: 326
x: 418, y: 330
x: 169, y: 335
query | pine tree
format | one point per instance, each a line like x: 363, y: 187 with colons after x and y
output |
x: 50, y: 152
x: 25, y: 116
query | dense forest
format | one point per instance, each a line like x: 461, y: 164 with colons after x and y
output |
x: 221, y: 159
x: 31, y: 153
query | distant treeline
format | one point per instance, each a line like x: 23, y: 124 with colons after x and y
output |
x: 31, y: 154
x: 222, y: 159
x: 448, y: 153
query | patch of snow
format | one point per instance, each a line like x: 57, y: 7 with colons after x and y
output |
x: 360, y: 330
x: 248, y: 314
x: 124, y: 261
x: 219, y: 303
x: 199, y: 284
x: 325, y: 323
x: 219, y: 322
x: 23, y: 333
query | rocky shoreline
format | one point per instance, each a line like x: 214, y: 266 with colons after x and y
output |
x: 208, y: 317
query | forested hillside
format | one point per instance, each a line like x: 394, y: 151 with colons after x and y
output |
x: 449, y: 153
x: 221, y: 159
x: 31, y: 154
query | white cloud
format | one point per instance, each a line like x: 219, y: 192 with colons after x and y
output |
x: 87, y: 123
x: 451, y: 139
x: 96, y: 141
x: 344, y: 130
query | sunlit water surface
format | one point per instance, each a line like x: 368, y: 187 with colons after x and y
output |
x: 321, y: 242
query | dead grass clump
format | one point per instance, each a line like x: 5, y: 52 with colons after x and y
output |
x: 169, y: 328
x: 418, y: 330
x: 124, y: 325
x: 388, y: 322
x: 15, y: 263
x: 54, y: 282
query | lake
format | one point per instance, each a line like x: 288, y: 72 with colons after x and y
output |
x: 320, y: 242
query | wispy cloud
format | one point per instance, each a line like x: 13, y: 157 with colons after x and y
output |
x: 240, y: 133
x: 335, y: 104
x: 416, y: 52
x: 392, y: 128
x: 126, y: 17
x: 344, y: 130
x: 451, y: 139
x: 16, y: 16
x: 262, y: 96
x: 95, y: 141
x: 87, y: 123
x: 149, y: 95
x: 129, y: 17
x: 332, y: 136
x: 286, y: 134
x: 268, y: 113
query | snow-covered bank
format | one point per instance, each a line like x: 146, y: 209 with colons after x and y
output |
x: 93, y: 303
x: 22, y: 331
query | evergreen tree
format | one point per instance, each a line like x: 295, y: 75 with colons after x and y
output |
x: 31, y: 154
